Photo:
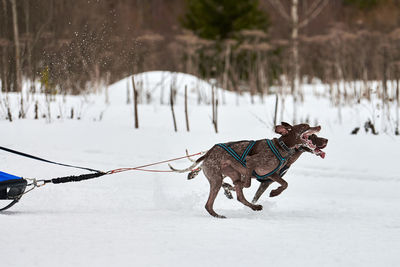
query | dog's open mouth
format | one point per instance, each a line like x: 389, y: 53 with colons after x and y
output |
x: 313, y: 142
x: 305, y: 138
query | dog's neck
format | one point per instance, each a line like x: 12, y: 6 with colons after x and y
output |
x: 282, y: 146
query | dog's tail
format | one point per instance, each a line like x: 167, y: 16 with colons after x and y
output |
x: 186, y: 169
x: 193, y: 172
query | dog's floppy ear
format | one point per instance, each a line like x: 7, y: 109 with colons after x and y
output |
x: 282, y: 130
x: 287, y: 125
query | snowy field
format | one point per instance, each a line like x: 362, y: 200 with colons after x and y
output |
x: 339, y: 211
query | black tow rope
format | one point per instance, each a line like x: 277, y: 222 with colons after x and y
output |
x: 13, y: 187
x: 45, y: 160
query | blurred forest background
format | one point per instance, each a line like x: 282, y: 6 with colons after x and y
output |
x: 248, y: 45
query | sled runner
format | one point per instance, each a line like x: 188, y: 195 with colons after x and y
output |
x: 11, y: 189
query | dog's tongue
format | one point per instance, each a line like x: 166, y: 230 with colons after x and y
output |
x: 320, y: 153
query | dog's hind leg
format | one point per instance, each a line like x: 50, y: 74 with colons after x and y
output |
x: 215, y: 186
x: 215, y: 180
x: 227, y: 190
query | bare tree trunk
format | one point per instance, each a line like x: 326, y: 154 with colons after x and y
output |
x: 295, y: 79
x: 28, y: 42
x: 312, y: 12
x: 226, y: 70
x: 282, y: 93
x: 36, y: 110
x: 397, y: 107
x: 385, y: 107
x: 214, y: 104
x: 128, y: 95
x: 262, y: 79
x: 331, y: 91
x: 186, y: 110
x: 4, y: 80
x: 171, y: 101
x: 48, y: 103
x: 365, y: 83
x: 17, y: 47
x: 9, y: 115
x: 18, y: 71
x: 95, y: 78
x: 276, y: 108
x: 339, y: 102
x: 135, y: 102
x: 107, y: 96
x: 252, y: 80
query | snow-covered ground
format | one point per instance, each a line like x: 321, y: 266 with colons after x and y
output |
x: 340, y: 211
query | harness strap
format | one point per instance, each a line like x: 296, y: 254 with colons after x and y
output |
x: 242, y: 159
x: 275, y: 150
x: 282, y: 172
x: 232, y: 153
x: 277, y: 155
x: 247, y: 150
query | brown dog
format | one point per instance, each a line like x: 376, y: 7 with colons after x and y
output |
x: 261, y: 157
x: 320, y: 144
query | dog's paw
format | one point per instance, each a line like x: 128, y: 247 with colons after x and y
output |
x: 275, y: 193
x: 228, y: 194
x: 256, y: 207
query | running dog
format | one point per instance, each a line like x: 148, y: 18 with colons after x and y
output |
x: 320, y: 144
x: 262, y: 159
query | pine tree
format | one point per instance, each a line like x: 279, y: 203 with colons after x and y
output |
x: 362, y: 4
x: 221, y: 19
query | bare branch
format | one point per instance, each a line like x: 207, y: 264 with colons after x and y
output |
x: 313, y: 6
x: 278, y: 5
x: 314, y: 14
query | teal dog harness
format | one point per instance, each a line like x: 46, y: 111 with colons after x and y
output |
x: 242, y: 158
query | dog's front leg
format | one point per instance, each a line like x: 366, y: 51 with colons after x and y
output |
x: 283, y: 183
x: 261, y: 189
